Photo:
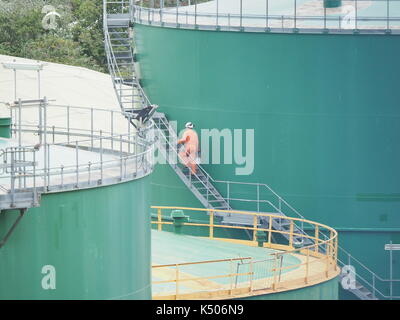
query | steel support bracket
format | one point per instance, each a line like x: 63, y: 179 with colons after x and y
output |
x: 12, y: 228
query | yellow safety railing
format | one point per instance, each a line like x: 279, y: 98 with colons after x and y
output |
x: 179, y: 277
x: 318, y: 260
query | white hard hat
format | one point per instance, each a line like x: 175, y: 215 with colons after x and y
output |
x: 189, y: 125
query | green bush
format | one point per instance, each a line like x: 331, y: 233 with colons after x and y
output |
x: 78, y: 39
x: 54, y: 49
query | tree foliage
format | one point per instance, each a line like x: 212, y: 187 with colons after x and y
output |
x: 77, y: 40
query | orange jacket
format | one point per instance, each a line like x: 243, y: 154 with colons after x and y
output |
x: 191, y: 140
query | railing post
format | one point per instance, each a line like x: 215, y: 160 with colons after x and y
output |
x: 291, y: 234
x: 19, y: 122
x: 89, y: 172
x: 129, y: 136
x: 258, y: 198
x: 136, y: 156
x: 336, y: 251
x: 77, y: 163
x: 62, y: 175
x: 48, y: 167
x: 275, y: 270
x: 387, y: 15
x: 120, y: 151
x: 177, y: 8
x: 251, y: 275
x: 231, y: 280
x: 316, y: 238
x: 159, y: 219
x: 211, y: 224
x: 207, y: 187
x: 125, y: 159
x: 68, y: 107
x: 217, y: 13
x: 228, y: 193
x: 295, y: 14
x: 40, y: 124
x: 270, y: 230
x: 177, y: 281
x: 34, y: 179
x: 255, y: 225
x: 112, y: 130
x: 373, y: 285
x: 45, y: 142
x: 327, y: 265
x: 24, y: 167
x: 195, y: 13
x: 356, y: 22
x: 12, y: 187
x: 331, y: 249
x: 307, y: 265
x: 12, y: 121
x: 241, y: 14
x: 91, y: 126
x: 101, y: 156
x: 391, y: 271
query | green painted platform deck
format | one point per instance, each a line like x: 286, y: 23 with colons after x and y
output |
x: 169, y: 248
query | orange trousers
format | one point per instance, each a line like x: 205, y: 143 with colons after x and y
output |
x: 188, y: 157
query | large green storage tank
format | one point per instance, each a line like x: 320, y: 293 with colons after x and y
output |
x: 97, y: 240
x: 325, y: 112
x: 74, y: 206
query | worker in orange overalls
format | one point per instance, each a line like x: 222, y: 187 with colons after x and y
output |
x: 191, y: 143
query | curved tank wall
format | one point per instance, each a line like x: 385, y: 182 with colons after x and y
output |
x: 98, y: 241
x: 327, y: 290
x: 325, y: 112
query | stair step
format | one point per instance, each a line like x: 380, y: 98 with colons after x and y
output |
x: 121, y: 45
x: 118, y: 23
x: 118, y: 20
x: 121, y: 39
x: 126, y: 89
x: 130, y: 96
x: 125, y: 58
x: 118, y: 32
x: 118, y: 15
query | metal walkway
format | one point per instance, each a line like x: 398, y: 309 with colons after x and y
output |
x: 120, y: 51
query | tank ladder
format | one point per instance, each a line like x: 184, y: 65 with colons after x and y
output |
x: 120, y: 55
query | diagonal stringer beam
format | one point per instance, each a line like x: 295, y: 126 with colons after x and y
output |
x: 11, y: 230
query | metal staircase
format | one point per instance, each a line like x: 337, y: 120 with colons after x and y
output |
x: 119, y: 46
x: 200, y: 183
x: 203, y: 187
